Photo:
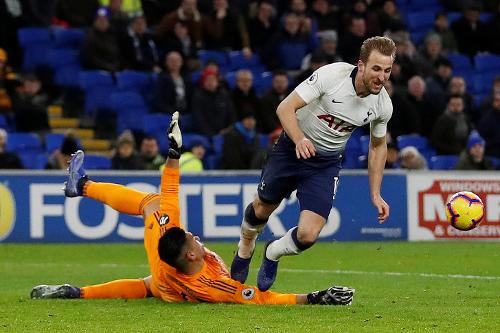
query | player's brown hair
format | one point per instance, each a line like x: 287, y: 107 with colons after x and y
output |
x: 382, y: 44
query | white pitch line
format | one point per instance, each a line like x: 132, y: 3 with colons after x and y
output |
x: 289, y: 270
x: 428, y: 275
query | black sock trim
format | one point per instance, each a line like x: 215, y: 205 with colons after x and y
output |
x: 300, y: 246
x: 251, y: 218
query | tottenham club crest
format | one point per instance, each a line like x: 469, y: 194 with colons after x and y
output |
x: 248, y: 293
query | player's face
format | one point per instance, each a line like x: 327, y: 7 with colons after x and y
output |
x: 376, y: 72
x: 194, y: 245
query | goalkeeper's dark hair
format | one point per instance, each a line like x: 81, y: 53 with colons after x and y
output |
x: 170, y: 246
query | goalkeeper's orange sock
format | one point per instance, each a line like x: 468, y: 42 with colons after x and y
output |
x: 120, y: 198
x: 126, y: 288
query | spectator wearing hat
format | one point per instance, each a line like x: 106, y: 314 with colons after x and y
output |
x: 8, y: 159
x: 173, y: 88
x: 150, y: 153
x: 29, y: 104
x: 138, y: 49
x: 241, y: 149
x: 489, y: 126
x: 125, y: 156
x: 452, y: 128
x: 59, y: 159
x: 100, y: 49
x: 212, y: 106
x: 472, y: 158
x: 192, y: 159
x: 244, y: 98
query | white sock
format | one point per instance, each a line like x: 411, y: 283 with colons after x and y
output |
x: 248, y: 235
x: 285, y: 246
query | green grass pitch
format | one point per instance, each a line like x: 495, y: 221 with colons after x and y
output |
x: 400, y: 287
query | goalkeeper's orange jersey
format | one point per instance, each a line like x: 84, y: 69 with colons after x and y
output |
x: 212, y: 283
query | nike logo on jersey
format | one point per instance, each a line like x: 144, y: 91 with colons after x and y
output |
x: 334, y: 101
x: 368, y: 114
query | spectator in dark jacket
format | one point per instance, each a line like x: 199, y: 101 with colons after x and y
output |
x: 138, y: 48
x: 450, y: 133
x: 59, y: 159
x: 442, y: 29
x: 262, y: 26
x: 244, y: 98
x: 405, y: 118
x: 472, y: 158
x: 179, y: 40
x: 125, y: 156
x: 173, y: 88
x: 470, y: 32
x: 100, y: 48
x: 489, y: 126
x: 241, y: 148
x: 212, y: 107
x: 350, y: 42
x: 267, y: 120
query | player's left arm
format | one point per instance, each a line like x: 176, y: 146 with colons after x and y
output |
x: 377, y: 156
x: 376, y: 163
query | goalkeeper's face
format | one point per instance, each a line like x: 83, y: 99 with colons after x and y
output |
x: 195, y: 248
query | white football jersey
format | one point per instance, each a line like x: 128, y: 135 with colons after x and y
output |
x: 333, y: 110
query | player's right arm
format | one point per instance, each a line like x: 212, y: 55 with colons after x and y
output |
x: 286, y: 113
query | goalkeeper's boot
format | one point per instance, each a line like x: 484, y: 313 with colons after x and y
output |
x: 335, y: 295
x: 240, y: 267
x: 76, y: 176
x: 174, y: 137
x: 55, y: 291
x: 267, y: 272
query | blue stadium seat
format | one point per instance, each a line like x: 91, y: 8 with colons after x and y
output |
x: 36, y: 43
x: 33, y: 160
x: 68, y: 38
x: 195, y: 76
x: 496, y: 162
x: 134, y: 80
x: 156, y: 123
x: 219, y: 56
x: 483, y: 82
x: 127, y: 101
x: 487, y: 63
x: 63, y: 57
x: 68, y: 76
x: 264, y: 141
x: 211, y: 162
x: 416, y: 141
x: 443, y: 162
x: 53, y: 141
x: 428, y: 5
x: 420, y: 21
x: 96, y: 162
x: 189, y: 138
x: 218, y: 142
x: 453, y: 16
x: 24, y: 142
x: 3, y: 122
x: 230, y: 78
x: 417, y: 37
x: 364, y: 142
x: 485, y: 17
x: 130, y: 119
x: 263, y: 83
x: 238, y: 61
x: 460, y: 61
x: 98, y: 86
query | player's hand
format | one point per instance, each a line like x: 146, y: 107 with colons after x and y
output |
x: 305, y: 149
x: 382, y: 207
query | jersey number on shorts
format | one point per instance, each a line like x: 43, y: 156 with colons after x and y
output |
x: 335, y: 186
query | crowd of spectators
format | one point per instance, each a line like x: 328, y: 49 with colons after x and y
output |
x: 291, y: 38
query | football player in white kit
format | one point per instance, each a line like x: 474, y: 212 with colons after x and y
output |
x: 318, y: 118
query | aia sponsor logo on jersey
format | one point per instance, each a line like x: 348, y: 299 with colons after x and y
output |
x: 337, y: 123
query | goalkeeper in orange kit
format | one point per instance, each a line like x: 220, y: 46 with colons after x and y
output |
x: 182, y: 269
